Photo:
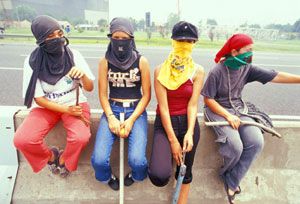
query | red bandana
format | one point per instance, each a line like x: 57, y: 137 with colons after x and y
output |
x: 236, y: 42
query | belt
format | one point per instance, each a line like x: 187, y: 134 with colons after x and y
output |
x: 126, y: 104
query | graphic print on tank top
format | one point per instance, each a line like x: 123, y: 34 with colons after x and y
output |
x: 124, y: 79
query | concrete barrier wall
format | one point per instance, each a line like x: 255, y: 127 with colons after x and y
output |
x: 274, y: 178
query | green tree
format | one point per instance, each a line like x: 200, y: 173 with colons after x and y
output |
x: 2, y: 15
x: 244, y: 25
x: 173, y: 18
x: 77, y: 21
x: 284, y: 28
x: 23, y: 12
x: 296, y: 26
x: 102, y: 23
x: 257, y: 26
x: 212, y: 22
x: 134, y: 23
x: 141, y: 24
x: 153, y: 25
x: 200, y: 24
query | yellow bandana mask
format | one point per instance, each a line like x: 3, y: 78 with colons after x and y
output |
x: 178, y: 67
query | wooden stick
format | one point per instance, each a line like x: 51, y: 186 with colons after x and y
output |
x: 223, y: 123
x: 82, y: 118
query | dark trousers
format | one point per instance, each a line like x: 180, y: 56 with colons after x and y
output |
x: 239, y: 148
x: 160, y: 168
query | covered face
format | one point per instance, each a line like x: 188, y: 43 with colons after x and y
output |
x: 49, y: 34
x: 121, y: 50
x: 237, y: 51
x: 236, y: 42
x: 52, y: 59
x: 120, y: 24
x: 42, y: 26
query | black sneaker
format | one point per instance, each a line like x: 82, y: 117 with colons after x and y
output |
x: 128, y: 181
x: 114, y: 183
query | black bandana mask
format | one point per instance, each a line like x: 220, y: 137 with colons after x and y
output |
x: 122, y: 49
x: 52, y: 59
x: 55, y: 45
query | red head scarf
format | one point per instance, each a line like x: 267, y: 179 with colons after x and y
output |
x: 236, y: 42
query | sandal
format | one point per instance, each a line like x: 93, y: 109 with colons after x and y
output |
x: 63, y: 171
x: 52, y: 165
x: 229, y: 197
x: 238, y: 191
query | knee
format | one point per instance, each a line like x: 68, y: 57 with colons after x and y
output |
x: 137, y: 162
x: 160, y: 177
x: 235, y: 148
x: 82, y: 138
x: 19, y: 141
x: 259, y: 144
x: 99, y: 161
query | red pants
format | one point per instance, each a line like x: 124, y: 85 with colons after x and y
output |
x: 29, y: 137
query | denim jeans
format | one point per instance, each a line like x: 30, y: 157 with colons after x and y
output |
x: 137, y: 142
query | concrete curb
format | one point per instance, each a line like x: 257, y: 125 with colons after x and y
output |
x: 274, y: 178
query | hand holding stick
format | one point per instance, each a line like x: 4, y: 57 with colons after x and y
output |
x: 82, y: 118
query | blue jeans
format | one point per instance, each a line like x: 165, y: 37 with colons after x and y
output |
x: 137, y: 142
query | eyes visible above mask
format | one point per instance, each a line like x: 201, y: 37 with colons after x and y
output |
x: 55, y: 34
x: 120, y: 35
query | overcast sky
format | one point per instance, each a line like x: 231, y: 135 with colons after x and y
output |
x: 225, y: 12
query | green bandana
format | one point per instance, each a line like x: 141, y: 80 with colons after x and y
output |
x: 236, y: 62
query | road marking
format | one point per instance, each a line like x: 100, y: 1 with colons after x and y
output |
x: 11, y: 68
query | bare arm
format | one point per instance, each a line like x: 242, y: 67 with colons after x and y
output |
x: 146, y: 88
x: 283, y: 77
x: 87, y: 83
x: 193, y: 102
x: 215, y: 107
x: 144, y: 101
x: 103, y: 86
x: 161, y: 96
x: 72, y: 110
x: 114, y: 123
x: 192, y: 109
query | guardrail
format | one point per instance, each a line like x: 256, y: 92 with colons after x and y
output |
x: 71, y: 37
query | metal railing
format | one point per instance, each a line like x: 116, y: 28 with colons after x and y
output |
x: 3, y: 36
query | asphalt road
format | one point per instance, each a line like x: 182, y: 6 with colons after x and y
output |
x: 275, y: 99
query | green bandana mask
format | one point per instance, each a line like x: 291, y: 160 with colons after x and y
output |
x: 236, y: 62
